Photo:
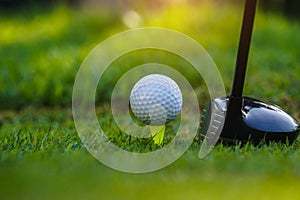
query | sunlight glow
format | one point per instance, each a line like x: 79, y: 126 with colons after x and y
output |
x: 132, y: 19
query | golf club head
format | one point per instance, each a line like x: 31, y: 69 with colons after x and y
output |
x: 249, y: 119
x: 246, y: 120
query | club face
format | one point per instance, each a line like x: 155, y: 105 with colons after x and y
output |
x: 212, y: 125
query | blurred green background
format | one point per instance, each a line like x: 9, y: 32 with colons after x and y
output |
x: 42, y: 44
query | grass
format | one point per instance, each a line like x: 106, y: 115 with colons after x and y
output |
x: 42, y: 159
x: 41, y: 155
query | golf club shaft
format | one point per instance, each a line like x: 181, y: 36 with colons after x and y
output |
x: 243, y: 50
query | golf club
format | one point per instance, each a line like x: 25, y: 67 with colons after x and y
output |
x: 237, y: 118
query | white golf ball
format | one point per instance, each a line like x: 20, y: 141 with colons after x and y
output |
x: 156, y: 100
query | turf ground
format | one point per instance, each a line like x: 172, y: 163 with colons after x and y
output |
x: 41, y: 155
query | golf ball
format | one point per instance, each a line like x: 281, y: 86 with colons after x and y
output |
x: 155, y: 100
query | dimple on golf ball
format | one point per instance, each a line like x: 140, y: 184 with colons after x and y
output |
x: 156, y: 100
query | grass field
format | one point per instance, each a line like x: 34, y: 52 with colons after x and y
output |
x: 41, y: 155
